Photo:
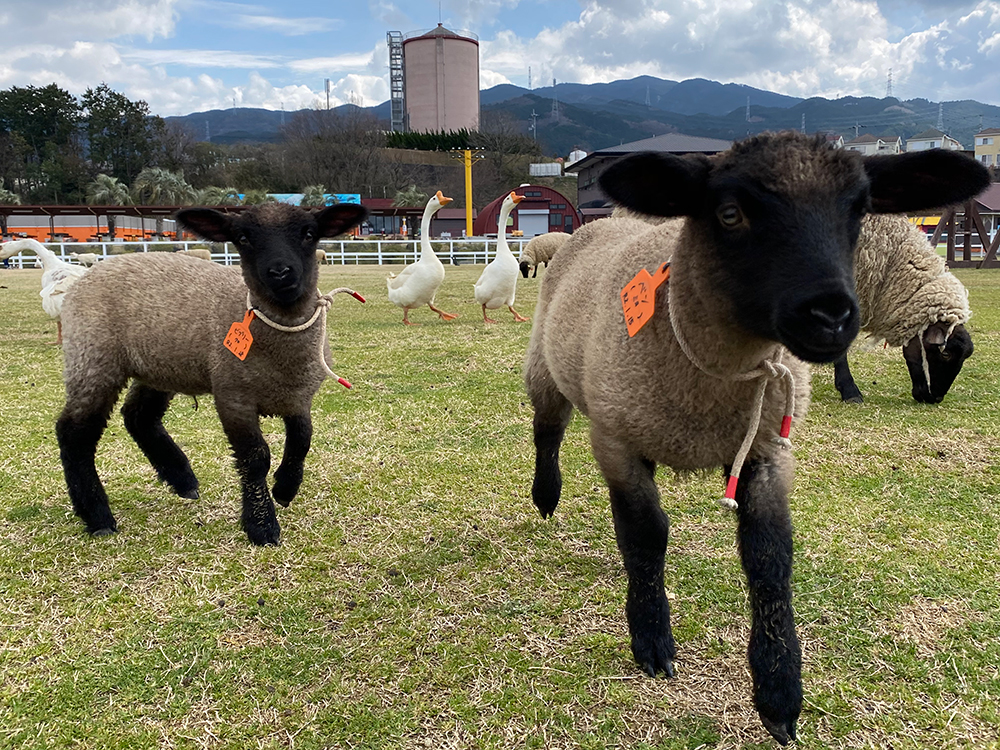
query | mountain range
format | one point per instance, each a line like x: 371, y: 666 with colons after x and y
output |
x: 598, y: 115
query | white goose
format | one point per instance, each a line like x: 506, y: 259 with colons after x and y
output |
x: 57, y: 277
x: 498, y: 281
x: 417, y: 284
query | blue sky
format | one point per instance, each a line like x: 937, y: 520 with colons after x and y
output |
x: 186, y: 56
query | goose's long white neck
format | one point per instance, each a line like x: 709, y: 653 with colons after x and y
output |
x: 426, y: 250
x: 502, y: 247
x: 47, y: 257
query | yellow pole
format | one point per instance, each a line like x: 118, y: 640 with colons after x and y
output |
x: 467, y: 160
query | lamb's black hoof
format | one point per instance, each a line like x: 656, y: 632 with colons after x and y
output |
x: 104, y: 532
x: 264, y: 536
x: 859, y: 399
x: 283, y: 494
x: 655, y: 654
x: 191, y: 494
x: 782, y: 731
x: 545, y: 495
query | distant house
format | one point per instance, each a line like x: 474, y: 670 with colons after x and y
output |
x: 870, y: 145
x: 932, y: 138
x: 593, y: 203
x: 834, y: 139
x: 987, y: 145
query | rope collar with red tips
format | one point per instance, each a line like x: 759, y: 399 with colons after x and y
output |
x: 323, y: 303
x: 770, y: 368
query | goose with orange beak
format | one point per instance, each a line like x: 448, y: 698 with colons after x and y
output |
x: 417, y: 283
x: 498, y: 282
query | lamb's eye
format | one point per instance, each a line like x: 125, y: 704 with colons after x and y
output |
x: 308, y: 235
x: 946, y: 355
x: 730, y: 216
x: 242, y: 239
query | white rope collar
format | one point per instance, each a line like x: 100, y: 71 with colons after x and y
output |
x: 769, y: 369
x: 323, y: 303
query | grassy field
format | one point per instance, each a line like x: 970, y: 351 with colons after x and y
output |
x: 419, y: 601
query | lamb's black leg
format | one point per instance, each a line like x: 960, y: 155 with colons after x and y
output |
x: 78, y: 433
x: 288, y: 477
x: 844, y: 382
x: 765, y: 540
x: 253, y: 461
x: 552, y: 414
x: 535, y: 274
x: 143, y: 412
x: 641, y: 528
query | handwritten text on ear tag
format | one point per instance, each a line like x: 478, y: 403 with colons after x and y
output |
x: 239, y: 338
x: 639, y: 297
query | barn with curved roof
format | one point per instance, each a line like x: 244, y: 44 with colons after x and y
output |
x: 542, y: 210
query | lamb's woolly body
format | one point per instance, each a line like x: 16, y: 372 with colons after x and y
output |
x: 903, y: 285
x: 542, y: 247
x: 629, y: 386
x: 162, y: 317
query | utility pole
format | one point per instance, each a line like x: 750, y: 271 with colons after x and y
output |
x: 748, y: 109
x: 529, y: 78
x: 534, y: 124
x: 468, y: 157
x: 803, y: 123
x: 327, y: 85
x: 940, y: 124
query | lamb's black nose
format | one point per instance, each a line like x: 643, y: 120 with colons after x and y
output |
x: 832, y: 313
x: 279, y: 273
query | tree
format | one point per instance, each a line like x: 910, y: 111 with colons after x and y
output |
x: 313, y: 195
x: 155, y: 186
x: 108, y: 191
x: 121, y: 134
x: 7, y: 198
x: 345, y: 152
x: 39, y: 143
x: 256, y: 197
x: 217, y: 196
x: 409, y: 197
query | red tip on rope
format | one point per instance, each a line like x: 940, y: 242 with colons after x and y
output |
x: 344, y: 383
x: 786, y: 426
x: 731, y: 487
x: 359, y: 298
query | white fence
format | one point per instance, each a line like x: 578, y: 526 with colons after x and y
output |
x: 340, y: 252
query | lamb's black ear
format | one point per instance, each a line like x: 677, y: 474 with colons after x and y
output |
x: 206, y: 222
x: 658, y: 184
x: 337, y: 219
x: 920, y: 180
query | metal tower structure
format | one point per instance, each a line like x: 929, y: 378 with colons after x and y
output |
x: 397, y: 106
x: 888, y: 85
x: 555, y: 102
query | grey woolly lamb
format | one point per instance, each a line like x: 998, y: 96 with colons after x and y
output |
x: 908, y: 297
x: 539, y: 251
x: 162, y: 320
x: 760, y: 278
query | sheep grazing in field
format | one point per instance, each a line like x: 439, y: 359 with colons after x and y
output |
x: 173, y: 324
x: 539, y: 251
x: 57, y: 277
x: 321, y: 256
x: 908, y: 297
x: 85, y: 259
x: 203, y: 253
x: 683, y: 343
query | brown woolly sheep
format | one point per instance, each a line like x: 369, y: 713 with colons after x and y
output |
x: 162, y: 320
x: 539, y: 251
x: 760, y: 278
x: 908, y: 297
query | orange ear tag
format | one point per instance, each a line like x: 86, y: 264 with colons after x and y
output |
x: 639, y: 297
x: 239, y: 338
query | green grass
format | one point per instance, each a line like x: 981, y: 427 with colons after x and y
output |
x: 418, y: 600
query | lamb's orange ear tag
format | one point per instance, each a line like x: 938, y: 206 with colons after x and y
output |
x: 639, y: 297
x: 239, y: 338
